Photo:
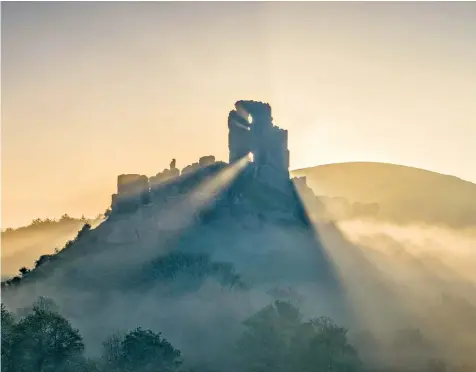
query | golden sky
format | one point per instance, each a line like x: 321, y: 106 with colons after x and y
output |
x: 91, y: 90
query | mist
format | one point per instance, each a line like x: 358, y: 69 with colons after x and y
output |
x: 403, y: 277
x: 377, y: 279
x: 21, y: 247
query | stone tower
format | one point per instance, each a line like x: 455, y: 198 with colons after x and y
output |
x: 251, y: 130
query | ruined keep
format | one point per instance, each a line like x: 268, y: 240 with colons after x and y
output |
x: 262, y: 187
x: 252, y: 133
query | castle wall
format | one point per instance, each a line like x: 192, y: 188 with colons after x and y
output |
x: 134, y: 189
x: 163, y: 177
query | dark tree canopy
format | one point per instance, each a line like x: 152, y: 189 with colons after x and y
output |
x: 141, y: 350
x: 44, y: 341
x: 276, y: 339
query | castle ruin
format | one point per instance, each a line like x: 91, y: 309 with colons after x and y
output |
x: 252, y: 133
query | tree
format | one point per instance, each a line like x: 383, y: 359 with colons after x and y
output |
x: 65, y: 217
x: 23, y: 271
x: 140, y: 350
x: 328, y: 348
x: 8, y: 331
x: 276, y: 339
x: 45, y: 341
x: 148, y: 351
x: 265, y: 345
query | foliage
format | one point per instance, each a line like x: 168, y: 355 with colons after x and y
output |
x: 43, y: 259
x: 196, y: 267
x: 8, y: 331
x: 140, y: 350
x: 23, y: 271
x: 328, y: 349
x: 41, y: 341
x: 276, y: 339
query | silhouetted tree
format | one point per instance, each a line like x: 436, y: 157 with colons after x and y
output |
x: 265, y: 345
x: 24, y: 271
x: 328, y: 348
x: 141, y: 350
x: 44, y: 341
x: 276, y: 339
x: 8, y: 332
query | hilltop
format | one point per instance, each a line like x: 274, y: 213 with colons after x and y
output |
x: 404, y: 194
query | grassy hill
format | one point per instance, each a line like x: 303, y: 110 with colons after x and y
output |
x: 404, y: 194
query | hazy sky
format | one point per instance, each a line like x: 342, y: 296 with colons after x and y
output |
x: 92, y: 90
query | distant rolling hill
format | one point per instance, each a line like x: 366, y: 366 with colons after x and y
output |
x: 404, y: 194
x: 23, y: 246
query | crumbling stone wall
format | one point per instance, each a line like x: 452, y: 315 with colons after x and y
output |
x: 161, y: 184
x: 205, y: 161
x: 162, y: 177
x: 190, y: 168
x: 251, y: 130
x: 134, y: 189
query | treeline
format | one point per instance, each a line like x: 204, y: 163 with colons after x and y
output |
x: 275, y: 339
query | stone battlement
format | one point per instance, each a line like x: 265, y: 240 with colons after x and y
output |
x: 136, y: 189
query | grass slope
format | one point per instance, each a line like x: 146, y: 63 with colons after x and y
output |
x: 405, y: 194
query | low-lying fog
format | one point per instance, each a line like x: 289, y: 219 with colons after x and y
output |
x: 393, y: 277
